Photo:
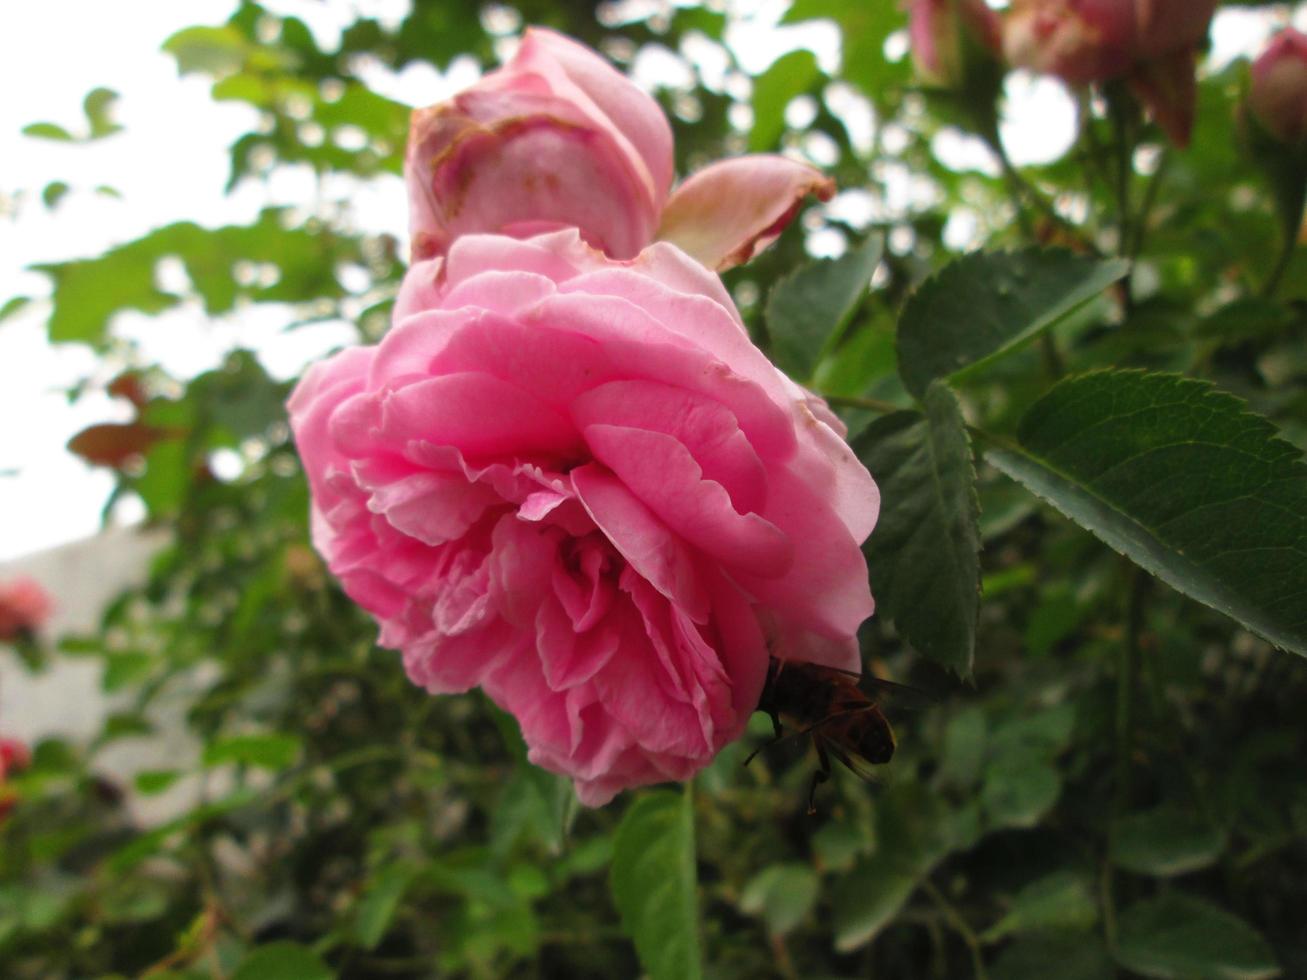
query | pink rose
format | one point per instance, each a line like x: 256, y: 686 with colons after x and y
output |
x: 574, y: 482
x: 24, y: 606
x: 559, y: 138
x: 941, y: 32
x: 1152, y: 43
x: 1278, y: 95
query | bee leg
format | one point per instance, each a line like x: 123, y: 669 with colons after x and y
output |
x: 820, y: 776
x: 777, y: 734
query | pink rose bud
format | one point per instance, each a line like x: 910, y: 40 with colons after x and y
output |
x: 575, y: 483
x: 14, y: 757
x: 24, y: 607
x: 1151, y: 43
x: 559, y: 138
x: 1278, y: 96
x: 943, y: 32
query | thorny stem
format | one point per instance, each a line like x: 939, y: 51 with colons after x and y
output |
x: 959, y: 925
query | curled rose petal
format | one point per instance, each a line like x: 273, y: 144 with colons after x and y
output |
x: 730, y: 211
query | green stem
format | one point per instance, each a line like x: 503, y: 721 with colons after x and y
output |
x: 1146, y: 208
x: 1288, y: 246
x: 959, y: 925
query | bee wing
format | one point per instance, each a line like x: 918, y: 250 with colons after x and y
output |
x: 855, y: 764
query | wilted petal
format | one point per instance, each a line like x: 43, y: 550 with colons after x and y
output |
x: 730, y: 211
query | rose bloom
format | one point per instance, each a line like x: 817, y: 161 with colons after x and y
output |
x: 1278, y: 94
x: 574, y: 482
x: 941, y: 30
x: 1151, y: 43
x: 559, y: 138
x: 24, y: 607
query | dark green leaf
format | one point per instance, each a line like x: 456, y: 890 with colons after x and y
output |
x: 1183, y: 480
x: 783, y: 894
x: 1185, y: 938
x: 1019, y: 789
x: 1164, y: 842
x: 283, y: 961
x: 807, y: 308
x: 654, y: 881
x: 924, y: 555
x: 152, y: 782
x: 1061, y: 901
x: 986, y: 304
x: 1066, y: 956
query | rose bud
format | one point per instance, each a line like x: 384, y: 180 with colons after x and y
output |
x: 1150, y: 43
x: 559, y: 138
x: 24, y: 607
x: 947, y: 35
x: 1277, y: 97
x: 575, y: 482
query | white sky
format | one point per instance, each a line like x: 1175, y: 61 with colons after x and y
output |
x: 171, y: 164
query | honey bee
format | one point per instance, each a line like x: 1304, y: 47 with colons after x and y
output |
x: 826, y: 703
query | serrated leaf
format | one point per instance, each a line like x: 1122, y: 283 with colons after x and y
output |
x: 283, y: 960
x: 1165, y: 842
x: 653, y: 883
x: 1060, y: 901
x: 271, y: 751
x: 924, y: 555
x: 790, y: 75
x: 986, y: 304
x: 1184, y: 481
x: 377, y: 909
x: 1185, y: 938
x: 807, y: 308
x: 47, y: 131
x: 782, y: 894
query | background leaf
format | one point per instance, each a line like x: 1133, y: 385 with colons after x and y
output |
x: 1180, y: 937
x: 807, y: 308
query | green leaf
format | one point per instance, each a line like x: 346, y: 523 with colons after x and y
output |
x: 791, y: 74
x: 924, y: 554
x: 1064, y: 955
x: 653, y: 883
x: 1182, y: 937
x: 47, y: 131
x: 1019, y: 789
x: 1184, y: 481
x: 53, y: 193
x: 124, y: 669
x: 208, y: 50
x: 1060, y: 901
x: 807, y: 308
x: 283, y: 961
x: 98, y: 106
x: 377, y: 910
x: 269, y: 751
x: 12, y: 306
x: 986, y: 304
x: 152, y: 782
x: 1165, y: 842
x: 783, y: 894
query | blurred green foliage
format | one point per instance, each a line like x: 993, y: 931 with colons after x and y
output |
x: 1116, y: 789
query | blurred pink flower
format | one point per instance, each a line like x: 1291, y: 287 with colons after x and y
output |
x: 559, y: 138
x: 24, y: 607
x: 1278, y: 95
x: 941, y: 31
x: 575, y: 482
x: 1152, y: 43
